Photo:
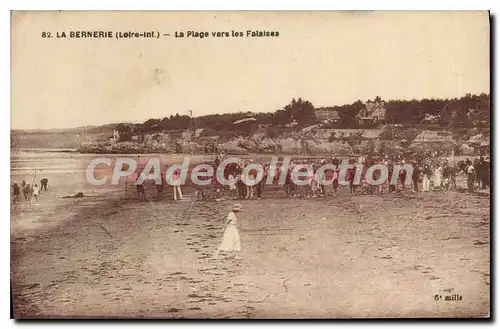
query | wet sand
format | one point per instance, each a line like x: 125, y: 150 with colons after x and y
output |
x: 362, y: 256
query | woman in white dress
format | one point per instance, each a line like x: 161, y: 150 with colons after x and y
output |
x: 426, y: 179
x: 231, y: 240
x: 438, y: 174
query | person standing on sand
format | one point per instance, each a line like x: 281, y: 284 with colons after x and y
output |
x: 392, y: 181
x: 415, y: 176
x: 232, y: 186
x: 289, y: 187
x: 239, y: 183
x: 321, y: 180
x: 176, y: 183
x: 438, y: 174
x: 16, y: 192
x: 486, y: 174
x: 402, y: 176
x: 260, y: 185
x: 140, y: 190
x: 249, y: 179
x: 36, y: 192
x: 314, y: 181
x: 482, y: 173
x: 231, y: 239
x: 426, y: 179
x: 376, y: 176
x: 159, y: 185
x: 27, y: 192
x: 43, y: 184
x: 477, y: 170
x: 471, y: 176
x: 335, y: 183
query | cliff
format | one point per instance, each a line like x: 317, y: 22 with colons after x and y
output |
x: 308, y: 142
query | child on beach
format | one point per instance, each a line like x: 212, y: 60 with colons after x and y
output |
x: 231, y: 239
x: 36, y: 191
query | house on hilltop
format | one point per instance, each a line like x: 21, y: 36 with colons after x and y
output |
x: 372, y: 112
x: 326, y: 115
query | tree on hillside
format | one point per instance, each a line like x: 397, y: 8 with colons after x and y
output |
x: 175, y: 122
x: 150, y: 126
x: 301, y: 111
x: 151, y: 122
x: 348, y: 113
x: 281, y: 118
x: 125, y: 132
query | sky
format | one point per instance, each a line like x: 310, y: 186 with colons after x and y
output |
x: 328, y: 58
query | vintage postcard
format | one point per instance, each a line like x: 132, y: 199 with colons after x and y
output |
x: 261, y: 165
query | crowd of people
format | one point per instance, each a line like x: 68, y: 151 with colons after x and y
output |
x: 29, y: 191
x: 429, y: 173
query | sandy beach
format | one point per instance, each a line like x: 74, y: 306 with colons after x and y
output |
x: 362, y: 256
x: 373, y: 92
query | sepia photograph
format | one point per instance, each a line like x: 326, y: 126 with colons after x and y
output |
x: 250, y: 165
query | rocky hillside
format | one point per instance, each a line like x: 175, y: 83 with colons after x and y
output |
x: 315, y: 141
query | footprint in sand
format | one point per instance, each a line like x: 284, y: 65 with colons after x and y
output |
x: 176, y: 273
x: 173, y: 310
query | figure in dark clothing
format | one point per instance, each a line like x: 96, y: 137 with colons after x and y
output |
x: 289, y: 186
x: 350, y: 178
x: 482, y: 171
x: 16, y: 191
x: 242, y: 189
x: 449, y: 176
x: 260, y: 184
x: 27, y: 192
x: 159, y: 185
x: 415, y: 177
x: 392, y: 182
x: 141, y: 191
x: 43, y: 184
x: 486, y: 174
x: 335, y: 182
x: 477, y: 169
